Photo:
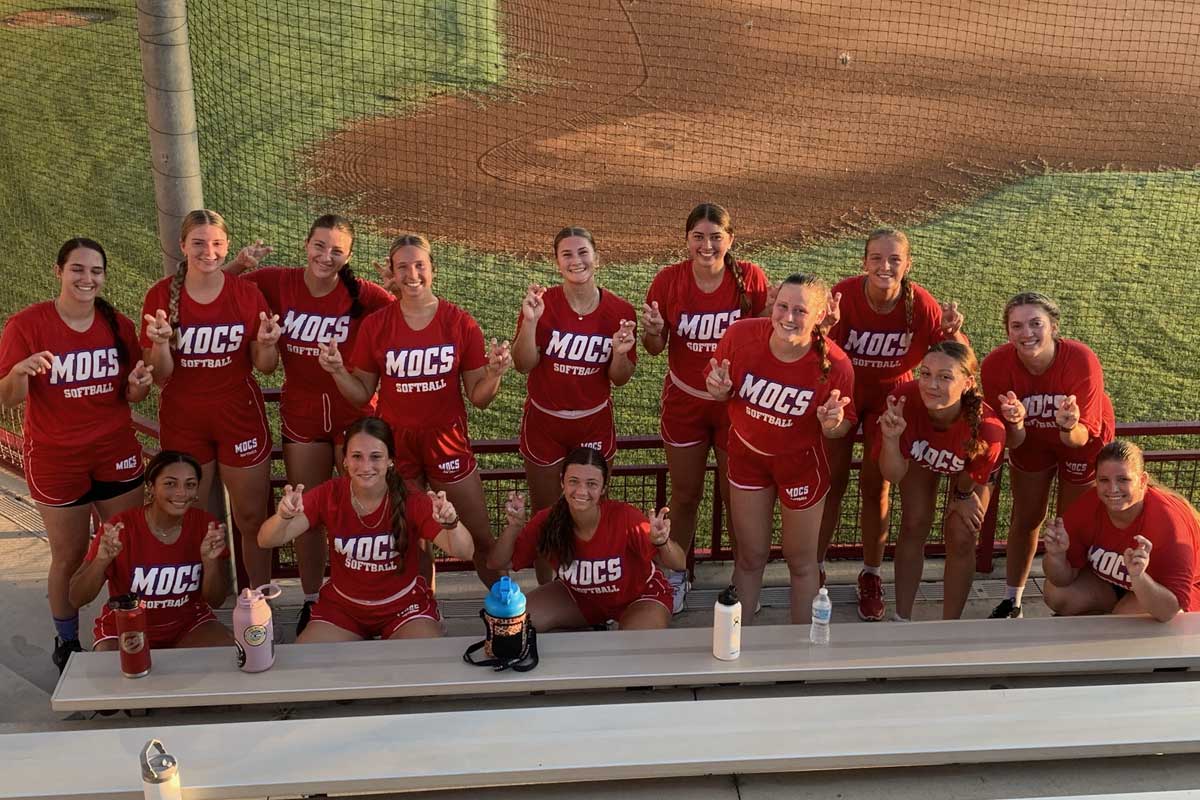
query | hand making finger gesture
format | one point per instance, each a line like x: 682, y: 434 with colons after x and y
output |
x: 514, y: 509
x: 1011, y: 409
x: 158, y: 329
x: 660, y: 527
x: 624, y: 339
x: 499, y: 357
x: 291, y: 503
x: 141, y: 375
x: 718, y: 382
x: 831, y: 413
x: 443, y: 509
x: 213, y: 543
x: 1066, y: 416
x: 36, y: 364
x: 268, y: 329
x: 252, y: 254
x: 652, y: 319
x: 952, y: 319
x: 773, y: 294
x: 386, y: 278
x: 533, y: 305
x: 110, y: 542
x: 1137, y: 559
x: 330, y: 358
x: 1055, y: 538
x: 891, y: 422
x: 833, y: 312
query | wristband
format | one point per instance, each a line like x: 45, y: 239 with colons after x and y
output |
x: 451, y: 525
x: 967, y: 495
x: 1066, y: 429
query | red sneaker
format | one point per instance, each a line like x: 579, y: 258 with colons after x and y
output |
x: 870, y: 597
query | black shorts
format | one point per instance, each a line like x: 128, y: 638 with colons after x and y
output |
x: 105, y: 490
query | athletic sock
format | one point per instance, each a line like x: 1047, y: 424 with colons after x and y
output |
x: 1014, y: 593
x: 867, y: 568
x: 67, y: 629
x: 311, y: 598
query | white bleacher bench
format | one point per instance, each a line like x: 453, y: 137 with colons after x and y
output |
x: 606, y: 660
x: 558, y: 744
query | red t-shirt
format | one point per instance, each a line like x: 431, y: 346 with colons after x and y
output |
x: 306, y: 321
x: 612, y: 567
x: 168, y: 577
x: 694, y: 320
x: 572, y: 373
x: 420, y: 372
x: 362, y: 558
x: 1165, y: 520
x: 882, y: 347
x: 774, y: 403
x: 944, y: 451
x: 81, y: 400
x: 1075, y: 370
x: 212, y: 356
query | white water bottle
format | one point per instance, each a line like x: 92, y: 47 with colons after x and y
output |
x: 160, y: 773
x: 727, y: 626
x: 822, y: 615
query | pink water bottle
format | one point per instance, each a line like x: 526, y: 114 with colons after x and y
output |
x: 253, y: 632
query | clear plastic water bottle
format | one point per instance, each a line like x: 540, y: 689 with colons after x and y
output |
x: 822, y: 615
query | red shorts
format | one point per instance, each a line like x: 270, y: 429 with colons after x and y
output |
x: 166, y: 635
x: 800, y: 478
x: 688, y: 420
x: 232, y: 429
x: 1076, y: 465
x: 870, y: 400
x: 546, y: 439
x: 597, y: 612
x: 415, y: 601
x: 438, y: 454
x: 310, y: 424
x: 60, y: 475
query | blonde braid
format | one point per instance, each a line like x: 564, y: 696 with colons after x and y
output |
x: 175, y: 290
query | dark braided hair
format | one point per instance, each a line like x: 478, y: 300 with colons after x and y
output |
x: 107, y: 312
x: 972, y: 401
x: 717, y: 215
x: 376, y: 428
x: 334, y: 222
x: 906, y: 284
x: 819, y: 342
x: 556, y: 540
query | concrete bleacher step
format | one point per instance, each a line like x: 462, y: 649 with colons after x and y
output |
x: 521, y: 746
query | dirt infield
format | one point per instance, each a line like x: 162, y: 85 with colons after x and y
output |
x: 804, y: 120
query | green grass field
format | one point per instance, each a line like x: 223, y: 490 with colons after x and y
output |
x: 1113, y: 248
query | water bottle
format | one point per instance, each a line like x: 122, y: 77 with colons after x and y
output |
x: 822, y: 615
x: 509, y: 637
x: 160, y: 773
x: 253, y: 630
x: 727, y: 626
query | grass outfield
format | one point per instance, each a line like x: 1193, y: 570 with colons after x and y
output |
x: 1110, y: 247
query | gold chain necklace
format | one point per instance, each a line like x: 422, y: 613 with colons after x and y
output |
x: 359, y: 511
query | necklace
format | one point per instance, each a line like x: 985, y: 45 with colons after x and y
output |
x: 163, y: 534
x: 363, y: 514
x: 593, y: 304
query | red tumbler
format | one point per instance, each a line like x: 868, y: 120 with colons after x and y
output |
x: 132, y: 640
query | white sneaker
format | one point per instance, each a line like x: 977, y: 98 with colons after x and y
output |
x: 680, y: 585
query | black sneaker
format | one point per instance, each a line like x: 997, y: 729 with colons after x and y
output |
x: 62, y: 651
x: 305, y: 615
x: 1006, y: 609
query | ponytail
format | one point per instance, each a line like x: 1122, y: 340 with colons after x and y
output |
x: 972, y: 411
x: 110, y: 317
x: 353, y: 288
x: 906, y: 288
x: 820, y: 343
x: 396, y: 496
x: 174, y: 291
x: 556, y: 540
x: 739, y: 279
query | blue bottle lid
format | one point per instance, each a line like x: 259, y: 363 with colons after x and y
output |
x: 505, y: 599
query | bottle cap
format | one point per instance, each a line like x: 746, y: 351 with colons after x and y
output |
x: 729, y: 596
x: 824, y: 592
x: 505, y: 599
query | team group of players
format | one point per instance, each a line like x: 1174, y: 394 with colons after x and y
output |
x: 775, y: 379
